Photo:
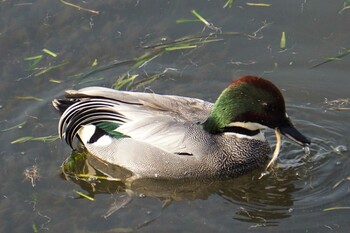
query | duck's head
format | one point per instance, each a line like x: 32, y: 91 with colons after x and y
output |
x: 249, y: 105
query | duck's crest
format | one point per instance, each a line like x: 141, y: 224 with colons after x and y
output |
x: 261, y: 83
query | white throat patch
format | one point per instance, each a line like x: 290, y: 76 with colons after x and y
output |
x: 260, y: 136
x: 249, y: 126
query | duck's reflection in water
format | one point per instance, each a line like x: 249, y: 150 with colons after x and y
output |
x: 261, y: 201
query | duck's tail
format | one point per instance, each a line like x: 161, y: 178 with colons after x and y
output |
x: 62, y: 104
x: 79, y: 110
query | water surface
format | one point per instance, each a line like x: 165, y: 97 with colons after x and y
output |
x: 301, y: 195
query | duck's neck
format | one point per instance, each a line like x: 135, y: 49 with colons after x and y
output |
x: 222, y: 113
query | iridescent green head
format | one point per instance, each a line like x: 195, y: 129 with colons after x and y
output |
x: 248, y: 105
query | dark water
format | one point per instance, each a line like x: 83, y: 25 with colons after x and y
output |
x: 299, y: 196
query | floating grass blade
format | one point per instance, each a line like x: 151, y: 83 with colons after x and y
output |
x: 94, y: 63
x: 337, y: 208
x: 189, y: 42
x: 49, y: 52
x: 91, y: 80
x: 157, y: 50
x: 143, y: 60
x: 55, y: 81
x: 105, y: 67
x: 150, y: 79
x: 34, y: 228
x: 283, y: 41
x: 200, y: 18
x: 97, y: 177
x: 19, y: 126
x: 22, y: 139
x: 206, y: 23
x: 228, y: 4
x: 84, y: 195
x: 29, y: 98
x: 33, y: 58
x: 79, y: 7
x: 180, y: 47
x: 195, y: 39
x: 47, y: 69
x: 35, y: 61
x: 333, y: 59
x: 50, y: 138
x: 345, y: 52
x: 258, y: 4
x: 124, y: 80
x: 187, y: 20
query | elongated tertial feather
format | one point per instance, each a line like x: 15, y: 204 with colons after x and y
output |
x: 277, y: 148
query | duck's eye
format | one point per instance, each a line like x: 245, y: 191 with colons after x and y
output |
x: 268, y: 107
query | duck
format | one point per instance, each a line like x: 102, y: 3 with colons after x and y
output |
x: 175, y: 137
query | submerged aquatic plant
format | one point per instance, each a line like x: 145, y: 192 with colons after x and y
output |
x: 32, y: 174
x: 74, y: 164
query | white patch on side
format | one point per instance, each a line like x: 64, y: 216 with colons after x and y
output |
x: 87, y: 131
x: 105, y: 140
